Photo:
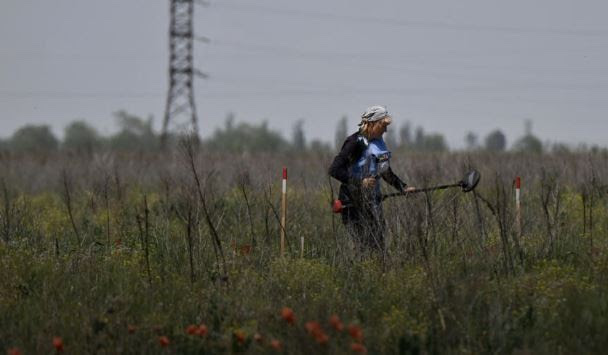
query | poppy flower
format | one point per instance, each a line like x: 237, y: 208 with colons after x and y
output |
x: 163, y: 341
x: 313, y: 328
x: 336, y: 323
x: 358, y: 348
x: 58, y: 344
x: 14, y: 351
x: 202, y: 330
x: 276, y: 344
x: 288, y: 315
x: 240, y: 336
x: 321, y: 338
x: 192, y: 329
x: 131, y: 329
x: 245, y: 249
x: 355, y: 332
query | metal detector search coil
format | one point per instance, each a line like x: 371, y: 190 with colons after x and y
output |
x: 470, y: 181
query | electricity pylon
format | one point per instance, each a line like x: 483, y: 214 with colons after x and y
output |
x: 180, y: 109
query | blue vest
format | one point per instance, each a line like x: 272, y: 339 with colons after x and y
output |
x: 374, y: 161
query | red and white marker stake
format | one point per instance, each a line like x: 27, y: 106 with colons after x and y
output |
x: 517, y: 188
x: 518, y: 204
x: 283, y: 210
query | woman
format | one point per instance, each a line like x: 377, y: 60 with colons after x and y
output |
x: 362, y: 161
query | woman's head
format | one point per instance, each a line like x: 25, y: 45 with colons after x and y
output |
x: 374, y: 122
x: 376, y: 129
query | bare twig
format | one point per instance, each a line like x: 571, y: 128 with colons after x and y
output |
x: 189, y: 149
x: 68, y: 203
x: 106, y: 197
x: 144, y: 235
x: 6, y: 216
x: 278, y: 218
x: 247, y: 204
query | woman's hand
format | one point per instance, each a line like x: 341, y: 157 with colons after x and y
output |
x: 369, y: 182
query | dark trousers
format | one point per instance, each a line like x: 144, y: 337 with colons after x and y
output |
x: 364, y: 221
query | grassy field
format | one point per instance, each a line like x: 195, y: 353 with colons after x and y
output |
x: 180, y: 254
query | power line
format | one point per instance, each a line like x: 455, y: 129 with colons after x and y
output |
x: 413, y: 91
x: 77, y: 95
x: 412, y: 23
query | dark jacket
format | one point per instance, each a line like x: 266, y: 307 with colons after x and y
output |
x: 340, y: 168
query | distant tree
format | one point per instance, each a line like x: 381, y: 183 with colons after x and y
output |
x: 81, y: 137
x: 433, y: 143
x: 298, y: 137
x: 422, y: 141
x: 135, y: 133
x: 528, y: 127
x: 529, y: 142
x: 582, y: 148
x: 390, y: 139
x: 134, y: 124
x: 320, y: 146
x: 419, y: 137
x: 341, y: 132
x: 229, y: 122
x: 560, y: 148
x: 405, y: 135
x: 471, y: 140
x: 495, y: 141
x: 34, y: 139
x: 246, y: 137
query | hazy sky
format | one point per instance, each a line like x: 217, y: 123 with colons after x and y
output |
x: 449, y: 66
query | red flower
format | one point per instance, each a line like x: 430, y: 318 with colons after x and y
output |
x: 245, y: 249
x: 163, y: 341
x: 313, y: 328
x: 358, y: 348
x: 202, y: 330
x: 258, y: 338
x: 131, y: 329
x: 287, y: 315
x: 355, y: 332
x: 240, y: 336
x: 192, y: 329
x: 14, y: 351
x: 336, y: 323
x: 58, y: 344
x: 321, y: 338
x: 276, y: 345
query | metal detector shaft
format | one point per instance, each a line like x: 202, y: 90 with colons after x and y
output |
x: 467, y: 184
x: 425, y: 189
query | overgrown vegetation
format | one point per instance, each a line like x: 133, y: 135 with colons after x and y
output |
x: 113, y: 251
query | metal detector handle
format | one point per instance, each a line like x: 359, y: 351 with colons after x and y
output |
x: 424, y: 189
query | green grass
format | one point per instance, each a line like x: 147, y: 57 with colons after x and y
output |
x: 446, y: 285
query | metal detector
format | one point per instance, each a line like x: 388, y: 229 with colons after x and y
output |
x: 467, y: 184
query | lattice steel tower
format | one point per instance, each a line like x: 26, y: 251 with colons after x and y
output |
x: 180, y: 111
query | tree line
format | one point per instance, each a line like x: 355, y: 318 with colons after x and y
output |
x: 137, y: 134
